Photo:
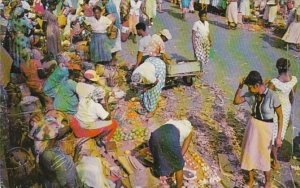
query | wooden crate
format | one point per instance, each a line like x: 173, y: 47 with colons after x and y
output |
x: 184, y: 67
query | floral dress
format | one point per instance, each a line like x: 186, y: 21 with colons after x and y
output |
x: 20, y: 28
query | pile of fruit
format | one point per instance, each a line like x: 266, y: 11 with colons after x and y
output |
x: 135, y: 133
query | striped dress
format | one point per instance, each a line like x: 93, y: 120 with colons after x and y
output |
x: 59, y: 167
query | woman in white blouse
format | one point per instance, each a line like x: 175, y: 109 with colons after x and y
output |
x: 100, y: 46
x: 201, y: 38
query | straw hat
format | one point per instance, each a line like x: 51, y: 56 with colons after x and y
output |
x: 166, y: 33
x: 91, y: 75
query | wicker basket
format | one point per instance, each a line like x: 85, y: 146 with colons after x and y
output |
x: 20, y: 164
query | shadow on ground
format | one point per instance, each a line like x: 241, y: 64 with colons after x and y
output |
x: 175, y: 14
x: 273, y: 41
x: 285, y: 152
x: 219, y: 24
x: 178, y: 57
x: 296, y: 147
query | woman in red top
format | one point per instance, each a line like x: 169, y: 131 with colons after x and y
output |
x: 29, y: 67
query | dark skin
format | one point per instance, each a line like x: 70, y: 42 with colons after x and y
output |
x: 283, y: 77
x: 259, y: 88
x: 184, y: 148
x: 202, y: 18
x: 139, y: 57
x: 165, y: 57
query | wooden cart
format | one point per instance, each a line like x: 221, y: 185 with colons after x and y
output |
x: 184, y: 70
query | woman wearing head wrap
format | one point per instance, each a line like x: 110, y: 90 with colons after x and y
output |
x: 52, y: 31
x: 285, y: 86
x: 58, y: 168
x: 256, y: 147
x: 201, y: 38
x: 61, y: 86
x: 29, y: 68
x: 92, y: 119
x: 19, y: 28
x: 149, y: 78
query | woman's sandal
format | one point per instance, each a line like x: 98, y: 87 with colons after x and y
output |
x: 142, y: 111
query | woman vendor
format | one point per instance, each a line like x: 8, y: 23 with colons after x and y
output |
x: 149, y: 78
x: 30, y: 67
x: 101, y: 45
x: 92, y: 119
x: 201, y: 39
x: 256, y: 147
x: 168, y: 144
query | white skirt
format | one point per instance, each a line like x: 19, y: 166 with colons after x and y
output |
x: 270, y: 13
x: 232, y: 12
x: 257, y: 144
x: 292, y: 35
x: 245, y: 7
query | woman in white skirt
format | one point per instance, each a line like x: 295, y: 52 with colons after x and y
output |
x: 256, y: 147
x: 150, y: 6
x: 285, y: 86
x: 292, y: 35
x: 270, y: 12
x: 232, y: 14
x: 204, y: 4
x: 245, y: 9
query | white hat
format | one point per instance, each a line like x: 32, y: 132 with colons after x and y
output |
x: 91, y: 75
x: 166, y: 33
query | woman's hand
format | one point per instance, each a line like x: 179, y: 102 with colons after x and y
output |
x: 238, y: 98
x: 278, y: 142
x: 241, y: 84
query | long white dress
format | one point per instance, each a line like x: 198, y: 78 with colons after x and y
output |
x: 245, y: 7
x: 292, y: 35
x: 283, y: 90
x: 232, y: 12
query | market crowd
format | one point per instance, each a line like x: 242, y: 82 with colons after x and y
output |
x: 66, y: 52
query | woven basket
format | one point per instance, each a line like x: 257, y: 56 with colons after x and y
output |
x: 17, y: 170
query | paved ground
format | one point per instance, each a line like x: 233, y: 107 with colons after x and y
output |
x: 234, y: 54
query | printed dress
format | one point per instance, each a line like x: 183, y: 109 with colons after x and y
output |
x: 201, y: 42
x: 283, y: 90
x: 151, y: 96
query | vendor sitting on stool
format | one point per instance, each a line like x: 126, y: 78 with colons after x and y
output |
x: 92, y: 120
x: 168, y: 144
